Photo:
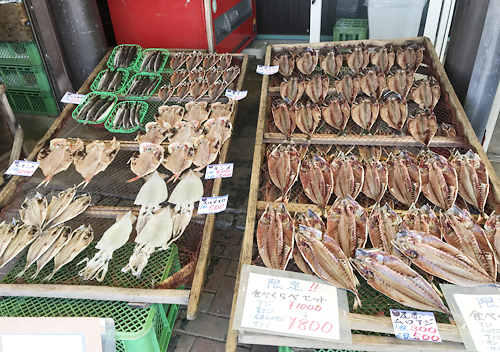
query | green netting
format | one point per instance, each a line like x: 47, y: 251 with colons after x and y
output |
x: 111, y: 59
x: 20, y: 54
x: 95, y: 84
x: 26, y: 78
x: 158, y: 268
x: 38, y: 103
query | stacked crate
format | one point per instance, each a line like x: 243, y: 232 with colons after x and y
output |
x: 28, y: 88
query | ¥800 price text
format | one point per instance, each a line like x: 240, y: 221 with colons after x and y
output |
x: 310, y: 325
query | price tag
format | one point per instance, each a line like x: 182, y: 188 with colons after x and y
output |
x: 236, y: 95
x: 72, y: 98
x: 267, y: 70
x: 410, y: 325
x: 22, y: 168
x: 219, y: 171
x: 210, y: 205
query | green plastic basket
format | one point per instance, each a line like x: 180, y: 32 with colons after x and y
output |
x: 84, y: 102
x: 36, y: 103
x: 25, y: 78
x: 109, y: 121
x: 95, y: 84
x: 141, y: 97
x: 144, y: 53
x: 111, y: 59
x: 25, y: 54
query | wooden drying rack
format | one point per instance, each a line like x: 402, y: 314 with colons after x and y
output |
x: 186, y: 297
x: 449, y: 333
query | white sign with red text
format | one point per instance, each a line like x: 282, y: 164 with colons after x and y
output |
x: 219, y: 171
x: 22, y: 168
x: 267, y: 70
x: 72, y: 98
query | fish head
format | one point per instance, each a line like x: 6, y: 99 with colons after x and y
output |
x: 151, y: 126
x: 407, y: 240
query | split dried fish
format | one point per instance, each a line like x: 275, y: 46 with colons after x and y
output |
x: 473, y: 180
x: 220, y: 127
x: 310, y: 219
x: 283, y: 118
x: 58, y: 204
x: 198, y: 88
x: 300, y: 261
x: 357, y: 58
x: 275, y: 237
x: 336, y: 111
x: 462, y: 232
x: 210, y: 60
x: 441, y: 259
x: 178, y: 77
x: 368, y: 152
x: 230, y: 74
x: 348, y: 175
x: 422, y: 219
x: 196, y: 73
x: 283, y: 165
x: 348, y: 85
x: 426, y: 92
x: 316, y: 177
x: 57, y: 157
x: 286, y: 62
x: 307, y: 117
x: 80, y: 239
x: 95, y: 159
x: 206, y: 151
x: 149, y: 158
x: 384, y: 58
x: 168, y: 116
x: 166, y: 92
x: 225, y: 61
x: 492, y: 232
x: 291, y: 89
x: 422, y: 125
x: 330, y: 60
x: 183, y: 90
x: 23, y: 237
x: 193, y: 60
x: 394, y: 110
x: 364, y: 111
x: 216, y: 89
x: 198, y: 111
x: 316, y: 87
x: 114, y: 237
x: 306, y: 60
x: 180, y: 157
x: 372, y: 81
x: 328, y: 261
x: 34, y: 211
x: 76, y: 207
x: 439, y: 179
x: 178, y: 60
x: 390, y: 276
x: 404, y: 177
x: 410, y: 54
x: 347, y: 225
x: 221, y: 110
x: 155, y: 133
x: 213, y: 74
x: 7, y: 232
x: 375, y: 179
x: 400, y: 80
x: 185, y: 131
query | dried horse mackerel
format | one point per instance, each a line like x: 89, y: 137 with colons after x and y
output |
x: 336, y: 111
x: 286, y: 62
x: 306, y: 60
x: 142, y: 85
x: 7, y: 232
x: 96, y: 109
x: 393, y: 110
x: 327, y: 260
x: 291, y: 89
x: 375, y: 179
x: 307, y: 116
x: 316, y: 176
x: 348, y: 175
x: 316, y: 87
x: 372, y: 81
x: 125, y: 56
x: 275, y: 237
x: 24, y: 235
x: 422, y: 219
x: 404, y: 177
x: 426, y: 92
x: 492, y: 232
x: 330, y: 60
x: 390, y: 276
x: 383, y: 58
x: 153, y: 60
x: 110, y: 81
x: 422, y: 125
x: 283, y: 164
x: 177, y: 60
x: 283, y: 118
x: 127, y: 116
x: 357, y: 58
x: 34, y: 210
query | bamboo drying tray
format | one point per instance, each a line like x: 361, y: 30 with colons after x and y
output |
x: 368, y: 326
x: 109, y: 188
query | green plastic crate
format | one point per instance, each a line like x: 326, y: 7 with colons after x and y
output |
x: 350, y: 29
x: 37, y: 103
x: 25, y: 54
x: 25, y: 78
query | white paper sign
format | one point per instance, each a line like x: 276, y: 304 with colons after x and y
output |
x: 482, y: 316
x: 290, y: 306
x: 236, y: 94
x: 267, y: 70
x: 410, y: 325
x: 210, y: 205
x: 219, y: 171
x: 42, y: 342
x: 72, y: 98
x: 22, y: 168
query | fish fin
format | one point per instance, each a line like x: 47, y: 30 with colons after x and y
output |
x: 133, y: 179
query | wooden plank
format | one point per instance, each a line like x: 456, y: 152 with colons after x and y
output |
x: 96, y: 292
x: 359, y: 343
x: 247, y: 244
x: 206, y: 244
x: 394, y: 140
x: 17, y: 146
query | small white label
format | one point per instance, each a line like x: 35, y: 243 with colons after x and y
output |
x: 236, y: 95
x: 22, y: 168
x: 72, y: 98
x: 267, y: 70
x: 410, y: 325
x: 219, y: 171
x: 211, y: 205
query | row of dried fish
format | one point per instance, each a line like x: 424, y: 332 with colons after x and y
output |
x: 128, y: 116
x: 142, y: 85
x: 95, y: 109
x: 110, y: 81
x: 152, y: 61
x: 357, y: 58
x: 403, y: 174
x: 198, y: 84
x: 194, y: 59
x: 125, y: 56
x: 89, y: 160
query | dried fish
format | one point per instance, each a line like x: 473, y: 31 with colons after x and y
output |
x: 166, y: 92
x: 316, y: 177
x: 220, y: 127
x: 76, y: 207
x: 179, y: 159
x: 291, y: 89
x: 375, y: 179
x: 394, y: 110
x: 198, y: 88
x: 306, y: 60
x: 400, y: 80
x: 310, y: 219
x: 193, y: 60
x: 286, y: 62
x: 357, y: 58
x: 206, y: 151
x: 492, y: 232
x: 7, y: 232
x: 23, y: 237
x: 404, y: 177
x: 372, y: 81
x: 441, y: 259
x: 221, y: 110
x: 216, y: 89
x: 368, y: 152
x: 364, y: 111
x: 384, y: 58
x: 125, y: 56
x: 426, y: 92
x: 422, y: 125
x: 177, y: 60
x: 95, y: 159
x: 410, y: 54
x: 422, y: 219
x: 168, y: 116
x: 316, y: 87
x: 230, y: 74
x: 283, y: 165
x: 348, y: 85
x: 56, y: 157
x: 224, y: 61
x: 196, y: 73
x: 346, y: 225
x: 149, y: 158
x: 184, y: 131
x: 34, y: 211
x: 306, y: 116
x: 213, y: 74
x: 51, y: 252
x: 336, y: 111
x: 283, y: 118
x: 210, y: 60
x: 348, y: 175
x: 58, y: 204
x: 178, y: 77
x: 300, y: 261
x: 390, y: 276
x: 155, y: 133
x: 183, y: 90
x: 197, y: 111
x: 330, y: 60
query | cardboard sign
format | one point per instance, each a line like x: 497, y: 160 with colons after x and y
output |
x: 410, y: 325
x: 267, y: 70
x: 22, y: 168
x: 211, y: 205
x: 236, y: 95
x: 219, y: 171
x: 72, y: 98
x: 280, y: 303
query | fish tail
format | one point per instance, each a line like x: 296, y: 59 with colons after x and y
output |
x: 357, y: 302
x: 199, y: 168
x: 50, y: 276
x: 36, y: 273
x: 46, y: 180
x: 134, y: 179
x: 22, y: 272
x: 175, y: 177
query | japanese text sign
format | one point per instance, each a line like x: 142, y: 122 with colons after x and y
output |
x: 267, y: 70
x: 72, y: 98
x: 410, y: 325
x: 280, y: 303
x: 219, y: 171
x: 22, y: 168
x: 210, y: 205
x: 236, y: 95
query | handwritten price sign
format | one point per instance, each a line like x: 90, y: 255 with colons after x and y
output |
x: 236, y: 95
x: 267, y: 70
x: 210, y: 205
x: 219, y: 171
x: 22, y: 168
x: 72, y: 98
x: 409, y: 325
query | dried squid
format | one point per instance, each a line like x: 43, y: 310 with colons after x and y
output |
x: 306, y: 60
x: 283, y: 165
x: 404, y: 177
x: 317, y: 179
x: 152, y: 193
x: 394, y: 110
x: 330, y: 60
x: 348, y: 175
x: 149, y: 158
x: 422, y: 125
x: 336, y: 111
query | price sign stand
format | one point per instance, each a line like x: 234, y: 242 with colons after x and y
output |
x: 291, y: 304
